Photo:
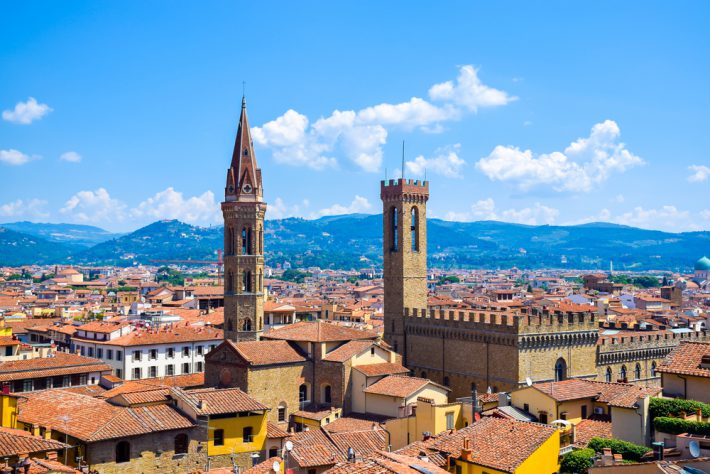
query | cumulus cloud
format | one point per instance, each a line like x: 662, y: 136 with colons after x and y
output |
x: 358, y: 205
x: 668, y: 218
x: 469, y: 91
x: 486, y: 210
x: 583, y: 165
x: 14, y: 157
x: 700, y: 173
x: 96, y: 207
x: 445, y: 162
x: 26, y: 112
x: 32, y: 209
x: 70, y: 156
x: 171, y: 204
x: 359, y: 135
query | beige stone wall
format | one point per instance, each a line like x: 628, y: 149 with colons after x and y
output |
x: 275, y: 385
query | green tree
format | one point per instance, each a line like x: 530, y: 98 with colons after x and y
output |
x: 449, y: 279
x: 296, y: 276
x: 170, y: 276
x: 578, y: 461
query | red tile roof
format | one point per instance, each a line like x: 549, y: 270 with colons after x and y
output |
x: 685, y: 359
x: 318, y: 331
x: 348, y: 350
x: 382, y: 368
x: 267, y: 352
x: 401, y: 386
x: 217, y: 401
x: 499, y: 443
x: 14, y: 442
x: 587, y: 429
x: 61, y: 363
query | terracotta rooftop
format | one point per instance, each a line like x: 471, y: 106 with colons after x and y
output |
x: 348, y: 350
x: 686, y: 359
x: 382, y: 368
x: 217, y: 401
x: 401, y: 386
x: 587, y: 429
x: 498, y: 443
x: 103, y: 327
x: 14, y: 442
x: 318, y: 331
x: 617, y: 394
x: 267, y: 352
x: 61, y: 363
x: 382, y: 462
x: 177, y: 334
x: 90, y: 419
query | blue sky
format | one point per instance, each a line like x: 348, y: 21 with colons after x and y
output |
x: 119, y: 113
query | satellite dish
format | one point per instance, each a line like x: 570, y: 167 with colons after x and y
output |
x: 276, y: 466
x: 694, y: 448
x: 289, y: 445
x: 528, y: 382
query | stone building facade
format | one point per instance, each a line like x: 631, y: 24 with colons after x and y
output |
x: 404, y: 251
x: 243, y: 210
x: 498, y: 347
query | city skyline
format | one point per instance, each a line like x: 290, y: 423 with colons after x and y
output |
x: 112, y: 118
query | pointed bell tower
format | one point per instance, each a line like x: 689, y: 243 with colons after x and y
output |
x: 243, y: 210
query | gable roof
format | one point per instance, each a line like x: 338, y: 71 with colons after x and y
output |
x: 14, y: 442
x: 318, y: 331
x: 382, y: 368
x: 60, y: 363
x: 348, y: 350
x: 499, y: 443
x: 616, y: 394
x: 685, y: 359
x: 400, y: 386
x: 217, y: 401
x: 265, y: 352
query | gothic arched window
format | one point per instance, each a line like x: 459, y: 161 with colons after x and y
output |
x: 394, y: 223
x: 653, y: 368
x: 244, y: 241
x: 637, y: 372
x: 608, y: 374
x: 623, y: 374
x: 246, y: 324
x: 560, y: 370
x: 415, y: 229
x: 230, y: 240
x: 246, y: 281
x: 250, y: 249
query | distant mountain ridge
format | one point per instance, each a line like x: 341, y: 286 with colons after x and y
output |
x: 355, y: 241
x: 82, y: 235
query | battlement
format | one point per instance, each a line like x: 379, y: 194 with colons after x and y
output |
x: 627, y: 339
x: 521, y: 321
x: 404, y: 188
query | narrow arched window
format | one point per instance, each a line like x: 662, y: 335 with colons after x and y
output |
x: 327, y: 394
x: 244, y: 240
x: 246, y: 324
x: 414, y: 229
x: 560, y: 369
x: 250, y: 249
x: 303, y: 393
x: 653, y: 368
x: 230, y: 240
x: 608, y: 374
x: 394, y: 218
x: 623, y: 374
x: 246, y: 281
x: 637, y: 372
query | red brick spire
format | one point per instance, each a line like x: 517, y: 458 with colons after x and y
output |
x: 243, y: 177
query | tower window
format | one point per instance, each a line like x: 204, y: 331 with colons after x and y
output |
x: 415, y: 229
x: 246, y: 281
x: 394, y: 218
x: 560, y: 370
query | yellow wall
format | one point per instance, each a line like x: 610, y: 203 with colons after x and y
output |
x: 429, y: 418
x: 298, y: 420
x: 536, y: 400
x: 8, y: 411
x: 543, y: 460
x: 233, y: 432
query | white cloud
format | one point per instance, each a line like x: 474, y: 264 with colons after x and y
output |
x: 358, y: 205
x: 171, y: 204
x: 445, y: 162
x: 26, y: 112
x: 359, y: 135
x: 582, y: 166
x: 32, y: 209
x: 94, y: 207
x: 70, y: 156
x: 486, y: 210
x: 14, y: 157
x: 668, y: 218
x: 280, y: 210
x: 469, y: 91
x: 700, y: 173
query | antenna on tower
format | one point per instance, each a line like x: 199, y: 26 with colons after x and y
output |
x: 402, y: 160
x: 244, y: 88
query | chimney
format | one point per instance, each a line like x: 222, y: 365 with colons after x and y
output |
x: 52, y: 455
x: 466, y: 452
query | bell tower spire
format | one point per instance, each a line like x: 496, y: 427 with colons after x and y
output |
x: 243, y: 210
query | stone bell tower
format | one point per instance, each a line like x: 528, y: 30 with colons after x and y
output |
x: 404, y: 254
x: 243, y: 210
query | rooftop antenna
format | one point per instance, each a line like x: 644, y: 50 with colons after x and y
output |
x: 244, y: 89
x: 402, y: 160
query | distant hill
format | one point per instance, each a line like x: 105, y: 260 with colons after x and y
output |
x: 17, y: 248
x: 355, y: 241
x: 82, y: 235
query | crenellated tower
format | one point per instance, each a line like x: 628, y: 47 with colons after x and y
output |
x: 404, y: 254
x: 243, y: 210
